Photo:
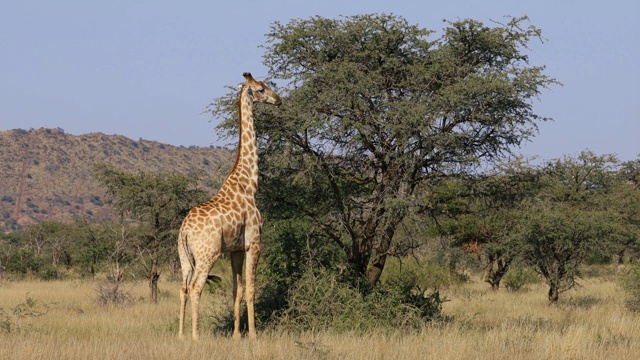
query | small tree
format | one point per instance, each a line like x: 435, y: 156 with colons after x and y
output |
x: 91, y: 246
x: 557, y: 238
x: 500, y: 196
x: 627, y: 199
x: 159, y: 202
x: 569, y: 219
x: 480, y: 213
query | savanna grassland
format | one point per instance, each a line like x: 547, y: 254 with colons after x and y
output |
x: 590, y: 322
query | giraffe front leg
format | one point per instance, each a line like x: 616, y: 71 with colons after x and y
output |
x: 237, y: 259
x: 253, y: 254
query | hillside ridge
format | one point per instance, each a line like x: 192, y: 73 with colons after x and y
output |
x: 48, y: 175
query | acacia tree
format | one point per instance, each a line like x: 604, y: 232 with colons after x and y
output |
x: 52, y: 239
x: 374, y: 109
x: 627, y: 197
x: 570, y: 219
x: 159, y: 202
x: 481, y: 213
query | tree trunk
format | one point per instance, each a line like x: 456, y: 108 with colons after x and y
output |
x: 554, y: 294
x: 360, y: 255
x: 382, y: 251
x: 376, y: 269
x: 494, y: 277
x: 153, y: 288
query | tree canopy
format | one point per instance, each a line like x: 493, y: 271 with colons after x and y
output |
x: 375, y: 109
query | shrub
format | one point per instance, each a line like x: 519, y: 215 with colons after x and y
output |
x: 48, y: 272
x: 321, y: 301
x: 518, y: 277
x: 95, y: 200
x: 631, y: 284
x: 428, y: 275
x: 23, y: 262
x: 109, y: 293
x: 584, y: 302
x: 14, y: 320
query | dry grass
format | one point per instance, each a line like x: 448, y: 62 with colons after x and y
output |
x: 589, y: 323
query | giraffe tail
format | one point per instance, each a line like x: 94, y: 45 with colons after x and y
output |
x: 192, y: 261
x: 187, y: 252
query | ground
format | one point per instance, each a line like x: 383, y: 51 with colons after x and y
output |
x: 589, y: 323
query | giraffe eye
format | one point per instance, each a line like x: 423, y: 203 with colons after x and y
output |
x: 261, y: 90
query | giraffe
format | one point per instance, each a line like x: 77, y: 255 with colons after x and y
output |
x: 228, y: 223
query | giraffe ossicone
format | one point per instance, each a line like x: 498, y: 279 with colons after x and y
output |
x: 228, y: 223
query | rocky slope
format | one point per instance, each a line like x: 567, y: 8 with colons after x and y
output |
x: 47, y: 175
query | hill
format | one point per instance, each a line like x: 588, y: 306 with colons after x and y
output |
x: 48, y: 175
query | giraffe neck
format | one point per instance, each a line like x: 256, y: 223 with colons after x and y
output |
x: 245, y: 169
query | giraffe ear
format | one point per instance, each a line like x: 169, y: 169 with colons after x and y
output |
x: 250, y: 91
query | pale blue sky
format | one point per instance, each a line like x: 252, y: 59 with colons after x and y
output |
x: 148, y: 69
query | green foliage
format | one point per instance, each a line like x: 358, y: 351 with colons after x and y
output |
x: 425, y: 274
x: 631, y: 284
x: 321, y: 301
x: 92, y: 246
x: 161, y: 199
x: 160, y: 202
x: 558, y: 238
x: 23, y: 261
x: 570, y: 220
x: 14, y: 321
x: 599, y: 258
x: 48, y: 272
x: 518, y: 277
x: 376, y: 110
x: 290, y: 247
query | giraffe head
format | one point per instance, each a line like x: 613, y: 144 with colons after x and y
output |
x: 261, y: 92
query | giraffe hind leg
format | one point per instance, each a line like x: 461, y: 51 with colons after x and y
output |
x: 195, y: 287
x: 187, y: 274
x: 237, y: 260
x: 184, y: 295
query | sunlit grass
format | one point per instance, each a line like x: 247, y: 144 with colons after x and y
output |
x: 590, y: 322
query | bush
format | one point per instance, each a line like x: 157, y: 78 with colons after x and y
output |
x: 631, y: 284
x: 48, y: 272
x: 321, y: 301
x: 429, y: 275
x: 14, y: 320
x: 109, y: 293
x: 95, y: 200
x: 23, y: 262
x: 518, y: 277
